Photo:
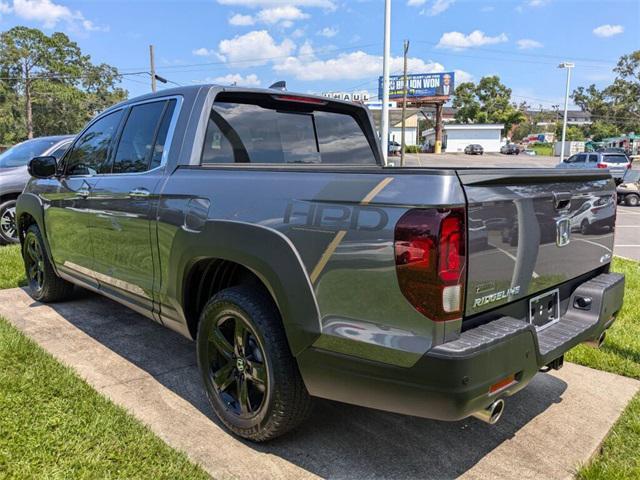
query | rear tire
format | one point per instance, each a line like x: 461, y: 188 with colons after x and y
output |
x: 8, y: 229
x: 250, y: 376
x: 44, y: 284
x: 585, y: 228
x: 632, y: 200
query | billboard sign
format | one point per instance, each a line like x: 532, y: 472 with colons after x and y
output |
x: 420, y: 85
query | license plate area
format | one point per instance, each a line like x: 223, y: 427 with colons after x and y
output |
x: 544, y: 310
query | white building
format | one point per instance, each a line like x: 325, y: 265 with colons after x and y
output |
x: 456, y: 137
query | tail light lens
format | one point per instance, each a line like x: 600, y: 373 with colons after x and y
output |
x: 430, y: 253
x: 601, y: 165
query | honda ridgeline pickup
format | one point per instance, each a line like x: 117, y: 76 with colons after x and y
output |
x: 264, y: 225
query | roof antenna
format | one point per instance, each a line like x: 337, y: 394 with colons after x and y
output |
x: 281, y: 85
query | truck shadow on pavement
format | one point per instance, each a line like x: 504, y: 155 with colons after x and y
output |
x: 339, y: 440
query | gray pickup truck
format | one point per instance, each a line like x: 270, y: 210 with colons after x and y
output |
x: 264, y: 225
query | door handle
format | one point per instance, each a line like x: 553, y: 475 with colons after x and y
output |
x: 83, y: 192
x: 139, y: 193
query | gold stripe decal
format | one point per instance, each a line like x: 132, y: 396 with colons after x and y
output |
x: 331, y: 248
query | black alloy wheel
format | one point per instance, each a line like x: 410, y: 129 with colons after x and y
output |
x: 249, y: 374
x: 34, y: 262
x: 237, y: 367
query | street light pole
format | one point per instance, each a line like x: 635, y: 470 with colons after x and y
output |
x: 568, y: 66
x: 385, y: 81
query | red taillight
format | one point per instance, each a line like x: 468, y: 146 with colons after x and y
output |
x: 601, y: 165
x: 430, y: 261
x: 297, y: 99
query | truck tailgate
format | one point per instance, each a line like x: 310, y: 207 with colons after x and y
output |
x: 532, y: 229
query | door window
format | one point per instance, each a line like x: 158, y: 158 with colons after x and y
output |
x: 90, y: 152
x: 593, y: 158
x: 581, y: 158
x: 143, y: 136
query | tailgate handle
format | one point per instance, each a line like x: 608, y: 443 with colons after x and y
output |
x: 561, y: 200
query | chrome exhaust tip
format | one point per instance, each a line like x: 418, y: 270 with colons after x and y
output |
x: 492, y: 413
x: 597, y: 342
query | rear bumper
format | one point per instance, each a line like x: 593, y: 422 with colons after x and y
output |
x: 452, y: 381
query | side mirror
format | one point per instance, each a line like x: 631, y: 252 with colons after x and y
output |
x: 42, y: 167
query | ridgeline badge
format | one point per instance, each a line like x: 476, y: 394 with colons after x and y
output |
x: 494, y: 297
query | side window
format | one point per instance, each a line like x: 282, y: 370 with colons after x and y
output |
x: 137, y: 142
x: 59, y: 152
x: 161, y: 137
x: 593, y: 158
x: 571, y: 159
x: 90, y: 151
x: 581, y: 158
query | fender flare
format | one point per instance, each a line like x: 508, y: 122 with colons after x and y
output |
x: 269, y: 254
x: 31, y: 204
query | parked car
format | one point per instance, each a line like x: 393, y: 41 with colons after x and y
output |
x: 510, y: 149
x: 474, y: 149
x: 629, y: 189
x: 593, y: 214
x: 225, y: 214
x: 617, y: 163
x: 394, y: 148
x: 14, y: 176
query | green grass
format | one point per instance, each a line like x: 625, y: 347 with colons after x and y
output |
x: 54, y: 425
x: 544, y: 149
x: 11, y: 267
x: 620, y: 455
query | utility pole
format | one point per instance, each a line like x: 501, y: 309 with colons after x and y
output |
x: 152, y: 68
x: 404, y: 101
x: 385, y: 81
x: 568, y: 66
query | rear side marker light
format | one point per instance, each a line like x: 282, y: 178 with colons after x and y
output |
x: 430, y: 254
x: 502, y: 384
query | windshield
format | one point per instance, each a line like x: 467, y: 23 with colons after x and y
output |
x: 20, y: 154
x: 631, y: 176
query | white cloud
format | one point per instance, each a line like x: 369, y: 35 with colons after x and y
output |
x: 527, y: 43
x: 50, y: 14
x: 286, y: 13
x: 437, y: 7
x: 5, y: 8
x: 459, y: 41
x: 254, y: 48
x: 241, y: 20
x: 462, y: 76
x: 605, y: 31
x: 250, y: 80
x: 297, y: 33
x: 284, y: 16
x: 328, y: 32
x: 326, y: 4
x: 346, y: 66
x: 203, y: 52
x: 532, y: 4
x: 416, y: 3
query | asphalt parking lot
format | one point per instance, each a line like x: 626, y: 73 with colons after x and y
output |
x: 628, y: 233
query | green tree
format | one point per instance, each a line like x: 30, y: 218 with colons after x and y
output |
x: 616, y: 107
x: 487, y: 102
x: 57, y: 86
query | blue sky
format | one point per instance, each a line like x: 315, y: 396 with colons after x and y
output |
x: 329, y: 45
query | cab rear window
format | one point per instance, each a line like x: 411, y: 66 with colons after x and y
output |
x: 283, y: 134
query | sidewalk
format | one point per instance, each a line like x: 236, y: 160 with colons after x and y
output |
x: 549, y: 428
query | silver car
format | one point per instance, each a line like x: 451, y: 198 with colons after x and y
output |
x: 617, y: 163
x: 14, y: 176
